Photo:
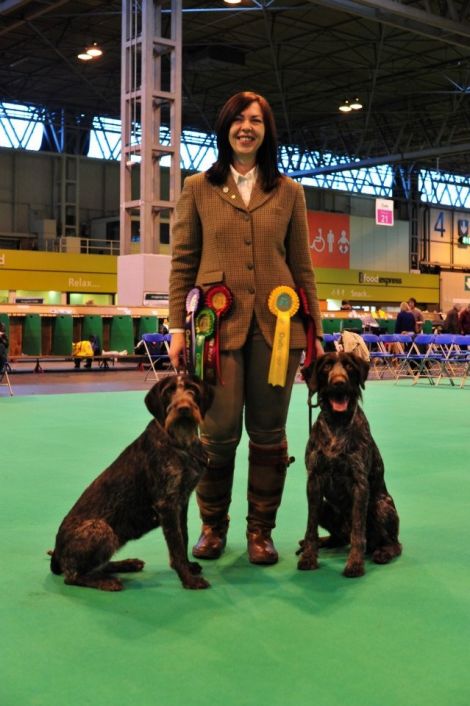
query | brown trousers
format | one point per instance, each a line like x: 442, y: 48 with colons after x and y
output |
x: 245, y: 392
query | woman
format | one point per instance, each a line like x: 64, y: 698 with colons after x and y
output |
x: 406, y: 321
x: 243, y: 225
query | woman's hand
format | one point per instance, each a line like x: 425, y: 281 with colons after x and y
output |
x: 177, y: 350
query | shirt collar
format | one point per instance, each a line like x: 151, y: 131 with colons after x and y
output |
x: 249, y: 176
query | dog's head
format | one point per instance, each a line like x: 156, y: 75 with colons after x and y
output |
x: 179, y: 403
x: 337, y: 379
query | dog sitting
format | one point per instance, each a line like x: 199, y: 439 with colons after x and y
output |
x: 147, y: 486
x: 346, y: 490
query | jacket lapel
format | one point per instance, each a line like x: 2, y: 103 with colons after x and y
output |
x: 229, y: 192
x: 259, y: 197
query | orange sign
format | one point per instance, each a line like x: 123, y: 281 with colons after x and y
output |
x: 329, y: 239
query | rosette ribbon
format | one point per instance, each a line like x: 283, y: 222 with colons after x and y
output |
x: 310, y: 330
x: 193, y: 303
x: 205, y: 322
x: 218, y: 298
x: 283, y: 302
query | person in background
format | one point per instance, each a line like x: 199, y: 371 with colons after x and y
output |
x: 417, y: 313
x: 465, y: 320
x: 451, y: 323
x: 405, y: 322
x: 243, y: 226
x: 3, y: 346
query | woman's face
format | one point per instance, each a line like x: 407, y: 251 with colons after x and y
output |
x: 246, y: 134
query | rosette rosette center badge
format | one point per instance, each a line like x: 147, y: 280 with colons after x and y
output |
x: 284, y: 303
x: 219, y: 299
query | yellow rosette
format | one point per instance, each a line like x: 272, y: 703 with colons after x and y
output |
x: 283, y: 302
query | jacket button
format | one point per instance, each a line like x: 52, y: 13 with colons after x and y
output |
x: 250, y: 266
x: 246, y: 216
x: 247, y: 241
x: 251, y: 290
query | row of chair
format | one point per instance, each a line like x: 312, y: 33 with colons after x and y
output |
x: 429, y: 357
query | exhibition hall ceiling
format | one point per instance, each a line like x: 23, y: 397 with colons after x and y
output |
x: 408, y: 63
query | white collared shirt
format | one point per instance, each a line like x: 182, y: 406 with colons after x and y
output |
x: 245, y: 182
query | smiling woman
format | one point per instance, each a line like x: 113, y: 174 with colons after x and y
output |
x: 241, y: 229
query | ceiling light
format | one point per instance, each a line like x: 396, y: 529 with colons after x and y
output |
x: 83, y: 56
x: 94, y: 50
x: 233, y: 2
x: 345, y: 107
x: 356, y: 104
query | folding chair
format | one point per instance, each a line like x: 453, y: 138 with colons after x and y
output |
x: 157, y: 347
x: 444, y: 346
x: 380, y: 357
x: 4, y: 377
x: 422, y: 360
x: 460, y: 357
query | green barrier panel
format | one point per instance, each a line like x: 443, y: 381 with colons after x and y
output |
x: 353, y: 324
x: 331, y: 325
x: 92, y: 325
x: 31, y: 344
x: 147, y: 324
x: 62, y: 335
x: 6, y: 321
x: 121, y: 337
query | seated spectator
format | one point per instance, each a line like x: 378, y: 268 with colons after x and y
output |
x: 405, y: 322
x: 83, y: 350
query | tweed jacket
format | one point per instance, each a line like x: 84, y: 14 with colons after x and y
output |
x: 252, y: 249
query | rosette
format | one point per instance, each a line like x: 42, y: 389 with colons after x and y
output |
x: 193, y: 303
x: 219, y: 298
x: 283, y: 302
x: 205, y: 322
x: 310, y: 330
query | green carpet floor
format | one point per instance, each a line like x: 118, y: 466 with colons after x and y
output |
x: 270, y: 636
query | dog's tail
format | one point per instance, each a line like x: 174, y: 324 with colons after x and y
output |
x: 55, y: 565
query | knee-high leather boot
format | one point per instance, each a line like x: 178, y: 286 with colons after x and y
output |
x: 266, y: 476
x: 213, y: 494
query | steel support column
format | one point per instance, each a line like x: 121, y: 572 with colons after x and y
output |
x: 150, y: 98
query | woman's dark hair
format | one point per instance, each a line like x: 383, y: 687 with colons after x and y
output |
x: 266, y: 157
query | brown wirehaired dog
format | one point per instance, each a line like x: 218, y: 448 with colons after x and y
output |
x: 346, y: 489
x: 147, y: 486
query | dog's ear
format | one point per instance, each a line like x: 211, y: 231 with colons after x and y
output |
x: 207, y: 396
x: 310, y: 374
x: 154, y: 400
x: 363, y: 368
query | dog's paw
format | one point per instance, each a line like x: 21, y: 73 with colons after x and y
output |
x: 194, y: 567
x: 354, y: 570
x: 307, y: 562
x: 195, y: 583
x: 383, y: 555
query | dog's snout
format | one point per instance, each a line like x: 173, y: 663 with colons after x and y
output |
x: 184, y: 410
x: 338, y: 375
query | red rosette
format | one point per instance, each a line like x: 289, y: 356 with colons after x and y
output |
x: 309, y: 323
x: 219, y: 298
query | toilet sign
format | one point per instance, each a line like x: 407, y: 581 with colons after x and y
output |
x: 384, y: 212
